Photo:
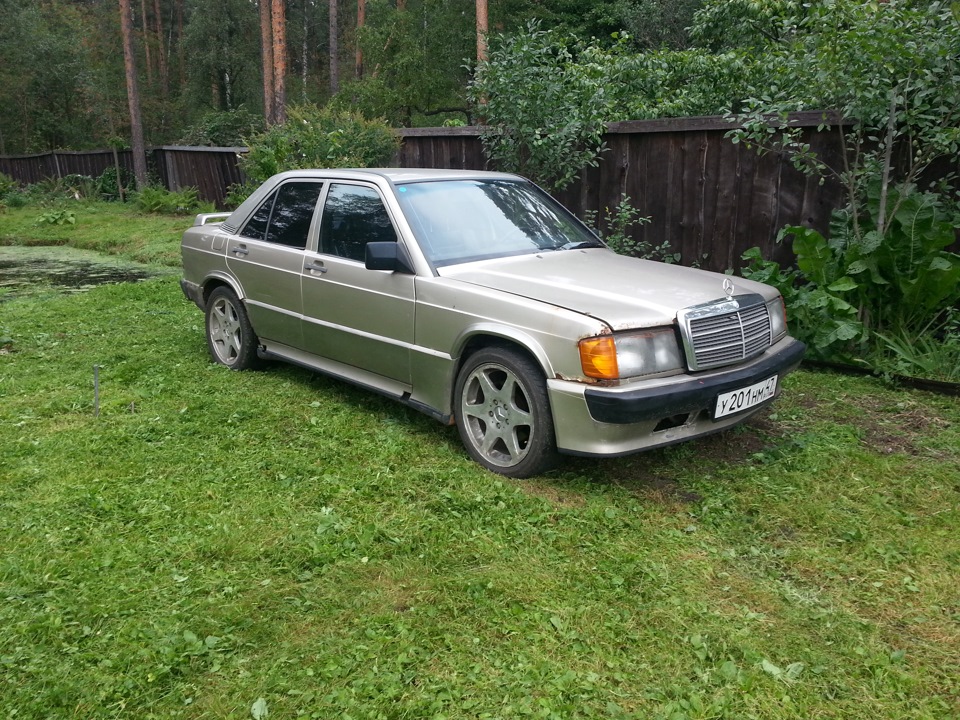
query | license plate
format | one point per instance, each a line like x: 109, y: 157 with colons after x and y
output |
x: 736, y: 401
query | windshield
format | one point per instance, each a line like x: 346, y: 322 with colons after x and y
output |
x: 458, y: 221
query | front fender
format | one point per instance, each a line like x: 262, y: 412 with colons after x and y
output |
x: 506, y: 333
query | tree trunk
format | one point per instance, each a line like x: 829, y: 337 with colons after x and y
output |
x: 146, y: 40
x: 180, y: 61
x: 133, y: 96
x: 304, y: 54
x: 482, y: 27
x: 278, y: 13
x: 266, y: 56
x: 116, y: 166
x: 361, y: 21
x: 161, y: 51
x: 334, y: 50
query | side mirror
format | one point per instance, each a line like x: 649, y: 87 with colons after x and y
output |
x: 389, y: 256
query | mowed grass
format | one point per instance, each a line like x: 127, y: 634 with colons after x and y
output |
x: 219, y: 544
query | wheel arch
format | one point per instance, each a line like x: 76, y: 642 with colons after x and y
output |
x: 481, y: 337
x: 212, y: 282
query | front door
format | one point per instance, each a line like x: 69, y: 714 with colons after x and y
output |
x: 363, y: 318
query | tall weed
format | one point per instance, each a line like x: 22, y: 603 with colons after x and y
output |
x: 159, y: 200
x: 616, y: 229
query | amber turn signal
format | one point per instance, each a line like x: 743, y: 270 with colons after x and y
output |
x: 598, y: 357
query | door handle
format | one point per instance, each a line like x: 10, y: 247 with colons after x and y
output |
x: 240, y: 250
x: 315, y: 267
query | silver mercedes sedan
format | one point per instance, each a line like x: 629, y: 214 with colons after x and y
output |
x: 479, y: 300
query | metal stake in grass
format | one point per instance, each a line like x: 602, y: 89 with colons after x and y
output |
x: 96, y: 391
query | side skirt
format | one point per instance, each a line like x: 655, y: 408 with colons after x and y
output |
x: 340, y: 371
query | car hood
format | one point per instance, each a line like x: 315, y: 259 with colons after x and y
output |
x: 621, y: 291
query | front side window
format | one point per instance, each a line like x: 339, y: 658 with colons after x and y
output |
x: 284, y: 217
x: 353, y: 216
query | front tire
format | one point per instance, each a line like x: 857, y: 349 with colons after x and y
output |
x: 230, y: 335
x: 503, y: 413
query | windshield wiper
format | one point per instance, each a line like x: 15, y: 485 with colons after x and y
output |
x: 581, y: 244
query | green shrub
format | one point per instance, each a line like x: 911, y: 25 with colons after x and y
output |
x: 59, y: 216
x: 857, y: 290
x: 313, y: 138
x: 544, y: 102
x: 7, y: 185
x: 68, y: 187
x: 223, y: 128
x: 238, y: 192
x: 107, y: 186
x: 158, y: 200
x: 16, y: 199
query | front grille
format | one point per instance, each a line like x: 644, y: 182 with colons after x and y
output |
x: 725, y: 332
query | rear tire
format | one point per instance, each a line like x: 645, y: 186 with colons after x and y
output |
x: 503, y: 413
x: 230, y: 335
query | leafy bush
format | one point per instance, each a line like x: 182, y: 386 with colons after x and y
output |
x: 57, y: 217
x: 158, y: 200
x: 544, y: 105
x: 238, y: 192
x: 7, y: 185
x: 881, y: 288
x: 546, y: 97
x: 857, y: 287
x: 68, y: 187
x: 16, y: 199
x: 314, y: 137
x: 227, y: 128
x: 669, y: 83
x: 109, y: 188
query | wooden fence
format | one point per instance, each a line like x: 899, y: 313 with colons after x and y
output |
x: 709, y: 198
x: 210, y: 170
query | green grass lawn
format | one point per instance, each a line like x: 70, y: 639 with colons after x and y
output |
x: 220, y: 544
x: 108, y: 227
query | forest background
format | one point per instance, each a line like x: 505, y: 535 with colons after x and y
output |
x: 62, y: 64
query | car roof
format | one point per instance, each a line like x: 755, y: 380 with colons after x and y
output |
x: 391, y: 175
x: 398, y: 175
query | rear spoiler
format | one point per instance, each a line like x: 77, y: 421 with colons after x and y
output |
x: 204, y: 218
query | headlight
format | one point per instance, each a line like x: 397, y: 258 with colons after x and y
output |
x: 777, y: 311
x: 625, y: 355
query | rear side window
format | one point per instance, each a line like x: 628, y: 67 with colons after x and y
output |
x: 284, y: 217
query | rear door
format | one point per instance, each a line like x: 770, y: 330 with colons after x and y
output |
x: 267, y: 258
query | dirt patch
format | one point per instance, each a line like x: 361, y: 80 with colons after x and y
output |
x: 741, y: 443
x: 902, y: 431
x: 668, y: 490
x: 555, y: 494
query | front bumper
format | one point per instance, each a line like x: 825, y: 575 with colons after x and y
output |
x: 592, y: 420
x: 696, y: 393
